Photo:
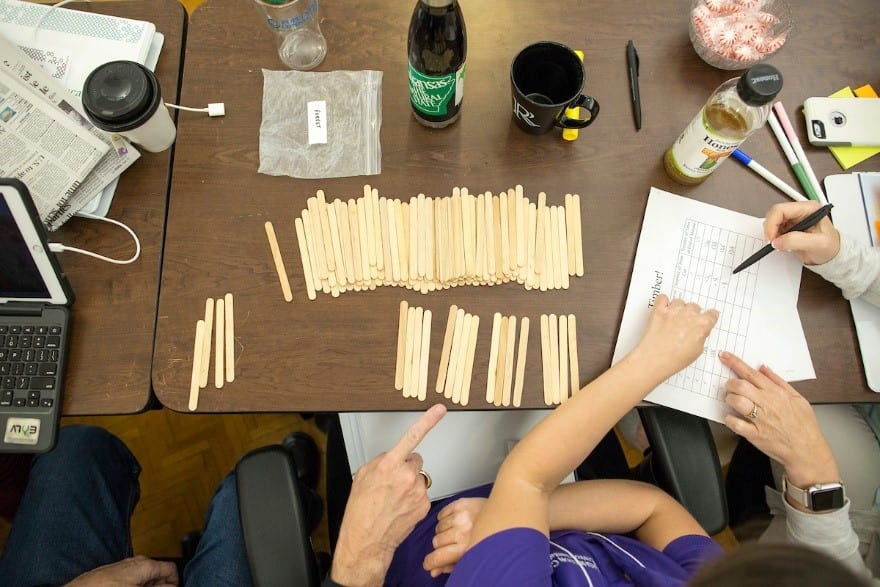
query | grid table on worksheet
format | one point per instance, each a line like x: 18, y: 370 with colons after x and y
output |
x: 704, y: 274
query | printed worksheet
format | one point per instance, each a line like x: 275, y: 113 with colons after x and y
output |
x: 688, y: 250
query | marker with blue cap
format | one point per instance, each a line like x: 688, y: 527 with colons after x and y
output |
x: 786, y: 189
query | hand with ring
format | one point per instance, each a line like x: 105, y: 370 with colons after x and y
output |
x: 773, y: 416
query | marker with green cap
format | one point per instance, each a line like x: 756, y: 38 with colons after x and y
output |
x: 799, y: 171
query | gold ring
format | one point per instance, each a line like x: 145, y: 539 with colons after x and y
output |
x: 754, y: 413
x: 427, y: 479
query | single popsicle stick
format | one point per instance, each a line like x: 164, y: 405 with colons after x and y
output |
x: 504, y: 239
x: 317, y: 237
x: 571, y: 256
x: 382, y: 214
x: 413, y: 238
x: 502, y: 358
x: 368, y: 228
x: 493, y: 357
x: 422, y: 240
x: 480, y: 229
x: 324, y: 215
x: 365, y: 245
x: 336, y: 243
x: 578, y: 235
x: 279, y: 263
x: 449, y: 240
x: 378, y: 238
x: 521, y: 361
x: 553, y: 336
x: 219, y: 331
x: 574, y: 365
x: 545, y: 358
x: 408, y: 353
x: 489, y: 224
x: 555, y: 253
x: 522, y: 221
x: 461, y: 360
x: 508, y: 361
x: 457, y: 248
x: 469, y: 361
x: 230, y: 338
x: 468, y: 213
x: 423, y: 360
x: 196, y: 368
x: 401, y: 214
x: 430, y: 254
x: 562, y: 367
x: 447, y: 347
x: 500, y: 265
x: 562, y: 270
x: 531, y: 281
x: 411, y: 386
x: 512, y: 234
x: 205, y: 361
x: 306, y: 221
x: 540, y: 253
x: 354, y: 233
x: 345, y: 240
x: 401, y: 344
x: 545, y: 277
x: 454, y: 354
x: 304, y: 256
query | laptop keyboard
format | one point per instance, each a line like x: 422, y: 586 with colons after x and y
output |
x: 29, y: 365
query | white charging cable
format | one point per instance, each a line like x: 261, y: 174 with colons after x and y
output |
x: 213, y: 109
x: 60, y: 248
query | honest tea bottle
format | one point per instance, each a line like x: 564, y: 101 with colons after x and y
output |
x: 735, y: 110
x: 437, y: 47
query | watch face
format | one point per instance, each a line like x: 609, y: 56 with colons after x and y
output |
x: 826, y: 499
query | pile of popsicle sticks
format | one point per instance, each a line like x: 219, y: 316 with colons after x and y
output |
x: 507, y: 359
x: 220, y: 321
x: 430, y: 243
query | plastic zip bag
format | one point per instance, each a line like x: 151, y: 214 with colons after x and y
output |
x: 321, y: 124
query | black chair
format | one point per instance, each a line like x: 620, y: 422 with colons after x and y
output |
x: 275, y: 521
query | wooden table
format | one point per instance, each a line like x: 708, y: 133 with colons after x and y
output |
x: 114, y: 315
x: 339, y: 353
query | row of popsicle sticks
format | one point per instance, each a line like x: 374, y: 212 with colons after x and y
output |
x: 219, y: 325
x: 507, y: 359
x: 430, y: 243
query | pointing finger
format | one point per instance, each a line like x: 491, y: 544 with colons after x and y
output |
x: 417, y: 432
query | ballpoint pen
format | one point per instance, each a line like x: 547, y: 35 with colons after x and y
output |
x: 632, y: 65
x: 759, y: 169
x: 808, y: 222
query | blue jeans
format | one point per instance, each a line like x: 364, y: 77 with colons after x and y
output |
x: 75, y: 516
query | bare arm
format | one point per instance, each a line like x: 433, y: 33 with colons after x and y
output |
x: 674, y: 337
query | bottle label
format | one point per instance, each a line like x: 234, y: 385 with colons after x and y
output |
x: 431, y: 94
x: 699, y: 150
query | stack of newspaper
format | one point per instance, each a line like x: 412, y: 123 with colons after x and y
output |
x: 46, y: 140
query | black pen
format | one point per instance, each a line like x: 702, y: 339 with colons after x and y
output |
x: 632, y: 66
x: 808, y: 222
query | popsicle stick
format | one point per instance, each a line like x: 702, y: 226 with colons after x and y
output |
x: 469, y: 361
x: 555, y: 253
x: 365, y: 244
x: 205, y: 361
x: 304, y: 256
x: 401, y: 344
x: 578, y: 235
x: 457, y: 248
x: 512, y: 235
x: 571, y: 256
x: 354, y: 233
x: 408, y: 353
x: 562, y: 367
x: 196, y: 367
x: 219, y: 332
x: 508, y: 361
x: 343, y: 225
x: 521, y: 361
x: 545, y: 277
x: 489, y: 224
x: 500, y: 265
x: 531, y: 282
x: 430, y: 255
x: 378, y: 236
x: 454, y: 354
x: 410, y: 254
x: 447, y: 347
x: 540, y: 232
x: 504, y: 239
x: 522, y: 220
x: 574, y: 365
x: 382, y: 215
x: 562, y: 270
x: 461, y: 361
x: 368, y: 227
x: 324, y: 216
x: 279, y: 263
x: 468, y: 215
x: 502, y: 358
x: 311, y: 248
x: 422, y: 240
x: 480, y: 230
x: 336, y: 243
x: 230, y: 338
x: 317, y: 238
x: 553, y: 337
x: 493, y: 357
x: 411, y: 386
x: 401, y: 216
x: 423, y: 360
x: 439, y: 241
x: 449, y: 243
x: 545, y: 358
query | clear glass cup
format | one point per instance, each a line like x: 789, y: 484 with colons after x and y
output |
x: 301, y: 45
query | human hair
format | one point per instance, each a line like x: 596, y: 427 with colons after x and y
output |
x: 779, y: 565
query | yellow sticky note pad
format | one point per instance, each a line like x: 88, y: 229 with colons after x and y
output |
x: 849, y: 156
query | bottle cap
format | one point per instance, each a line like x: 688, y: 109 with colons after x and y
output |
x: 121, y: 95
x: 759, y: 85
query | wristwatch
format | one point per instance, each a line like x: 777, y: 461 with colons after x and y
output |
x: 816, y: 498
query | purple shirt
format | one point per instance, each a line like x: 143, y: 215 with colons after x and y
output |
x: 524, y: 556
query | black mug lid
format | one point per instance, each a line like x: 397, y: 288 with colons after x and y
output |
x: 121, y: 95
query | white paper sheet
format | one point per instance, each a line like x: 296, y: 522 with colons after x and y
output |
x: 688, y: 249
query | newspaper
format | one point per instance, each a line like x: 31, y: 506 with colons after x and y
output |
x: 45, y: 94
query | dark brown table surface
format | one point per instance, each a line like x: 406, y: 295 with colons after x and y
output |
x: 114, y: 315
x: 339, y: 353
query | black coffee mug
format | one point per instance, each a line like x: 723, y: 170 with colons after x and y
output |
x: 546, y: 79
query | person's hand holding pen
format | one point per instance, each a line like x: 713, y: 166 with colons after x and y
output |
x: 814, y: 246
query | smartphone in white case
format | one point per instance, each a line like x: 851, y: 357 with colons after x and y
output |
x: 850, y: 122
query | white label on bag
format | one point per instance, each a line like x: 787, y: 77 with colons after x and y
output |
x: 317, y: 113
